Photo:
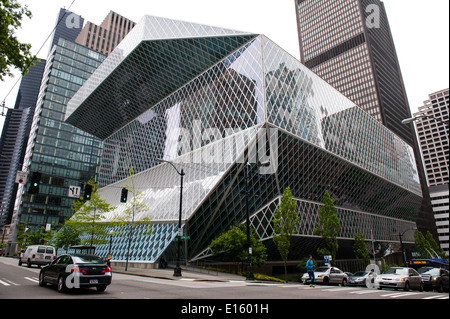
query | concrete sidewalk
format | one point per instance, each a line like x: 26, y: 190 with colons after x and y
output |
x: 187, y: 273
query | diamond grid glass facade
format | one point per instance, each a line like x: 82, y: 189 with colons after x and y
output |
x: 215, y: 102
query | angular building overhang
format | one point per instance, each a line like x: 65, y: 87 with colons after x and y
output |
x: 212, y: 101
x: 158, y: 57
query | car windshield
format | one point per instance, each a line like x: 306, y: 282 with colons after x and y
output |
x: 322, y: 269
x: 87, y: 260
x: 360, y: 273
x: 429, y: 271
x: 396, y: 271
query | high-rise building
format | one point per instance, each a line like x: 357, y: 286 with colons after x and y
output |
x: 215, y: 102
x: 108, y: 35
x: 349, y: 44
x: 14, y: 138
x: 432, y: 130
x: 63, y: 155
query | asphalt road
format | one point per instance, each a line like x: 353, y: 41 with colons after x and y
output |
x: 22, y: 283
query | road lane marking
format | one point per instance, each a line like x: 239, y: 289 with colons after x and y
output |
x: 363, y: 292
x: 432, y: 297
x: 4, y: 283
x: 32, y: 279
x: 11, y: 282
x: 397, y: 295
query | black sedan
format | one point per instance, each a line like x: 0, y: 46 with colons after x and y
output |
x: 72, y: 271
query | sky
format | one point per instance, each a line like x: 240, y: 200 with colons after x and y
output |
x: 420, y: 30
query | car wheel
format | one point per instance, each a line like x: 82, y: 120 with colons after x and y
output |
x: 406, y: 286
x: 421, y: 287
x: 20, y: 262
x: 344, y: 282
x: 326, y: 280
x: 101, y: 288
x: 42, y: 282
x: 440, y: 287
x: 61, y: 286
x: 29, y: 263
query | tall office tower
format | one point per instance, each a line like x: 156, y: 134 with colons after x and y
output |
x: 68, y: 26
x: 14, y: 138
x: 62, y: 155
x: 108, y: 35
x: 432, y: 131
x: 349, y: 44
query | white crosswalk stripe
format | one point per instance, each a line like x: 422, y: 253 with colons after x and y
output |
x: 34, y: 279
x: 11, y: 282
x: 8, y: 283
x: 4, y: 283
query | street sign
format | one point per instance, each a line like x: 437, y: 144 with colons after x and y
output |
x: 74, y: 191
x: 21, y: 177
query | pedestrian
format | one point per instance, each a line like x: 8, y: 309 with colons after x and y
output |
x: 310, y: 270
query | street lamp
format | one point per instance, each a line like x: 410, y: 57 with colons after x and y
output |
x: 177, y: 270
x: 401, y: 244
x: 250, y: 275
x: 111, y: 233
x: 422, y: 116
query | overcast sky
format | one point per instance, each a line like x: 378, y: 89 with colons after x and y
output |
x: 420, y: 30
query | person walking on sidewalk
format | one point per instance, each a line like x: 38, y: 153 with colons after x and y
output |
x: 310, y: 270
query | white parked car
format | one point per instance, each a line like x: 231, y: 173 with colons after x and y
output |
x: 37, y: 255
x: 400, y: 278
x: 328, y: 275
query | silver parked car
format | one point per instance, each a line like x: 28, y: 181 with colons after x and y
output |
x: 362, y: 278
x: 328, y: 275
x: 400, y: 278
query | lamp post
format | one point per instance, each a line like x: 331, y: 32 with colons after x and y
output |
x: 422, y: 116
x: 401, y: 244
x: 413, y: 119
x: 250, y: 275
x: 111, y: 233
x: 177, y: 270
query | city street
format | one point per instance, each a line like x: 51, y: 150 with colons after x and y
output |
x: 22, y: 283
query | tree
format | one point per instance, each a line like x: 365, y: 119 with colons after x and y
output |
x: 285, y: 223
x: 13, y: 54
x: 360, y: 248
x: 328, y: 227
x: 67, y: 236
x: 133, y: 208
x: 426, y: 246
x: 27, y: 237
x: 233, y: 243
x: 90, y: 215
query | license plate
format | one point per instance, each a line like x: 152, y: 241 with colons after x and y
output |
x: 93, y: 281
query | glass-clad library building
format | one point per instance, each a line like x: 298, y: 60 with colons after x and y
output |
x: 215, y: 102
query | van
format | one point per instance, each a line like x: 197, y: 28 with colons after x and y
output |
x: 37, y: 255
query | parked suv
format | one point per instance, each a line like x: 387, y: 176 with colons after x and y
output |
x: 37, y: 255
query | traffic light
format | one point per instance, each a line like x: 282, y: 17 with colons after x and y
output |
x: 124, y: 196
x: 87, y: 192
x: 35, y: 181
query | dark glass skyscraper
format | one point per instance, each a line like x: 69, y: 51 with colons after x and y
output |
x: 14, y: 138
x: 349, y: 44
